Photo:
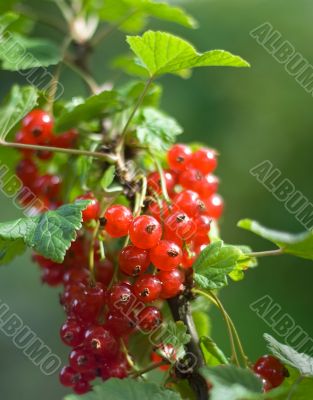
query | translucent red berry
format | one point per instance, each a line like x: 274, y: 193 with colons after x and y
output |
x: 166, y: 255
x: 100, y: 341
x: 188, y: 202
x: 118, y: 219
x: 133, y: 261
x: 179, y: 224
x: 39, y: 124
x: 68, y: 376
x: 154, y: 182
x: 27, y: 171
x: 147, y: 288
x: 92, y: 210
x: 178, y: 157
x: 214, y: 206
x: 272, y: 369
x: 145, y: 232
x: 205, y: 160
x: 149, y: 319
x: 81, y: 360
x: 120, y: 297
x: 82, y: 387
x: 172, y: 283
x: 72, y: 333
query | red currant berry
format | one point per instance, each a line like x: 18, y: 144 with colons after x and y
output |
x: 100, y: 341
x: 53, y: 276
x: 189, y: 257
x: 65, y: 140
x: 118, y: 219
x: 82, y: 360
x: 121, y: 324
x: 120, y: 298
x: 27, y: 171
x: 203, y: 223
x: 134, y: 261
x: 92, y: 210
x: 104, y: 270
x: 44, y: 155
x: 214, y: 206
x: 72, y: 333
x: 82, y: 387
x: 145, y: 232
x: 204, y: 185
x: 166, y: 255
x: 147, y: 288
x: 47, y: 185
x: 188, y: 202
x: 178, y: 157
x: 95, y: 294
x: 68, y: 376
x: 159, y: 212
x: 154, y: 182
x: 180, y: 225
x: 172, y: 283
x: 149, y: 319
x: 204, y: 160
x: 116, y: 368
x: 272, y: 369
x: 39, y: 124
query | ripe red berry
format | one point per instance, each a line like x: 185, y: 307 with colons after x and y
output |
x: 188, y: 202
x: 154, y: 182
x: 204, y: 160
x: 120, y: 298
x: 82, y: 387
x: 100, y: 341
x: 121, y: 324
x: 178, y: 157
x: 134, y: 261
x: 82, y: 360
x: 149, y: 319
x: 93, y: 209
x: 39, y: 124
x: 65, y: 140
x: 27, y: 171
x: 214, y: 206
x: 116, y: 368
x: 145, y: 232
x: 166, y: 255
x: 189, y: 257
x: 68, y: 376
x: 118, y: 219
x: 203, y: 223
x: 72, y: 333
x: 104, y: 271
x: 147, y: 288
x: 272, y: 369
x: 172, y: 283
x: 48, y: 186
x: 53, y: 276
x: 204, y: 185
x: 180, y: 225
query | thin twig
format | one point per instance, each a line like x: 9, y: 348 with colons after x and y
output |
x: 276, y: 252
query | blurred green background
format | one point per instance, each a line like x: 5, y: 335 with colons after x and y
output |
x: 249, y: 116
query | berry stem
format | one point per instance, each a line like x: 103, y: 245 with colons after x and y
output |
x: 216, y: 301
x: 106, y: 157
x: 162, y: 178
x: 276, y: 252
x: 92, y: 252
x: 120, y: 145
x: 128, y: 357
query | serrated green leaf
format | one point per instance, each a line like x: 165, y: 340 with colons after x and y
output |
x: 93, y: 107
x: 300, y: 245
x: 20, y: 102
x: 9, y: 249
x: 49, y: 234
x: 233, y: 383
x: 155, y: 129
x: 302, y: 362
x: 175, y: 334
x: 127, y: 64
x: 133, y: 15
x: 161, y: 53
x: 126, y: 389
x: 19, y: 53
x: 214, y: 263
x: 108, y: 177
x: 213, y: 355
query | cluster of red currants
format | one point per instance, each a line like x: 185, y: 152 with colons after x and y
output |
x: 37, y: 129
x: 271, y: 371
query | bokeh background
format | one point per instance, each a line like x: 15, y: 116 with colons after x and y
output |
x: 249, y: 116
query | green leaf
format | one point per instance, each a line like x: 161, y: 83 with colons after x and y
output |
x: 302, y: 362
x: 93, y: 107
x: 133, y: 15
x: 132, y: 91
x: 161, y: 53
x: 49, y: 234
x: 126, y: 389
x: 297, y: 387
x: 155, y: 129
x: 243, y: 264
x: 20, y: 102
x: 212, y: 353
x: 233, y: 383
x: 9, y: 249
x: 214, y: 263
x: 202, y: 322
x: 127, y: 64
x: 300, y: 245
x: 108, y: 177
x: 19, y: 53
x: 7, y: 19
